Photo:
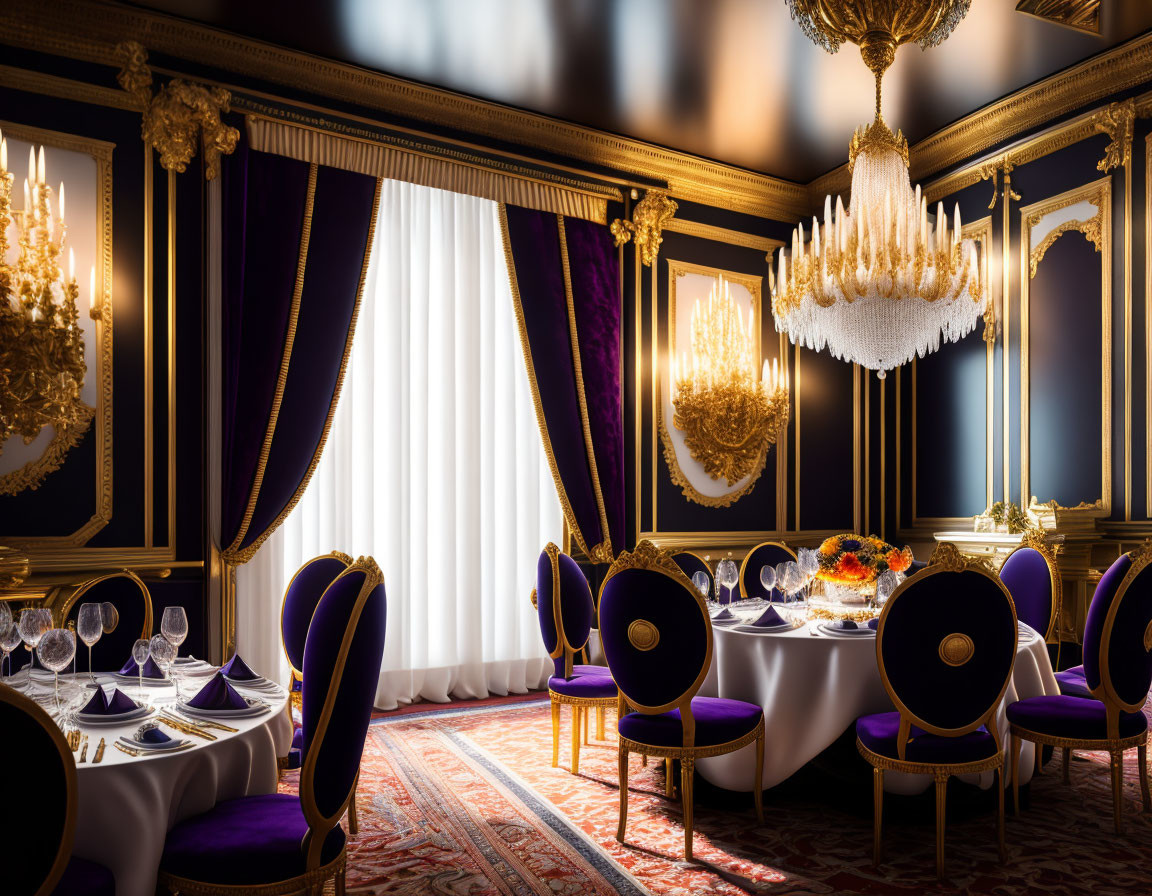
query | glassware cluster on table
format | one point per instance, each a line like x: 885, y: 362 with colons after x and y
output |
x: 788, y: 584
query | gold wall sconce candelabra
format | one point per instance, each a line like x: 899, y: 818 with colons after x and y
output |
x: 728, y: 414
x: 42, y: 365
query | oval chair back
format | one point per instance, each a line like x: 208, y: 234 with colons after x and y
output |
x: 41, y: 782
x: 769, y: 553
x: 690, y: 564
x: 656, y: 633
x: 1031, y: 579
x: 1118, y: 634
x: 342, y: 658
x: 564, y: 607
x: 300, y: 599
x: 133, y: 602
x: 945, y: 645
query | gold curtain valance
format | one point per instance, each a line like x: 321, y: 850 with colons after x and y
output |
x: 380, y: 160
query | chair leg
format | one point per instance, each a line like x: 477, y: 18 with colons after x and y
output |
x: 1142, y: 758
x: 353, y: 821
x: 1000, y: 814
x: 623, y: 756
x: 687, y: 769
x: 555, y: 732
x: 1038, y: 758
x: 584, y: 720
x: 1117, y: 764
x: 877, y: 815
x: 1015, y: 747
x: 1067, y: 752
x: 758, y: 783
x: 340, y: 882
x: 941, y: 795
x: 599, y: 723
x: 644, y: 760
x: 669, y: 784
x: 577, y: 712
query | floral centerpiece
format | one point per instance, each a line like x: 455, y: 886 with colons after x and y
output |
x: 854, y: 561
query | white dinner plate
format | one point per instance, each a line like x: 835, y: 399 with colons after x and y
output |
x: 764, y: 629
x: 254, y: 708
x: 861, y: 632
x: 254, y: 683
x: 148, y: 682
x: 124, y: 718
x: 173, y: 744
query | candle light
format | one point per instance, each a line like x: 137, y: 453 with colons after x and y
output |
x: 4, y: 155
x: 31, y: 164
x: 61, y: 202
x: 40, y: 167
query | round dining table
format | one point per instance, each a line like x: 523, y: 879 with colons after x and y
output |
x: 813, y: 685
x: 127, y: 804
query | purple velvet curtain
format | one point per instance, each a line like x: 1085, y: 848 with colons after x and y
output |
x: 296, y: 238
x: 565, y: 285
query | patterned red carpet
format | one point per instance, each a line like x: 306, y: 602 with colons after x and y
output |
x: 464, y: 802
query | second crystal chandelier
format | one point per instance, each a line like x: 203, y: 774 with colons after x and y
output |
x: 878, y: 283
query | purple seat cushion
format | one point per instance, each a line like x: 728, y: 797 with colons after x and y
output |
x: 85, y: 878
x: 718, y: 721
x: 296, y: 753
x: 1073, y: 684
x: 252, y: 840
x: 1072, y: 717
x: 879, y: 734
x: 592, y: 682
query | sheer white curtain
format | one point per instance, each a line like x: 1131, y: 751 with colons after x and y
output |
x: 434, y: 465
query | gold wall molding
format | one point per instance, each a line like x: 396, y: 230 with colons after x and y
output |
x: 649, y: 218
x: 723, y: 235
x: 1099, y: 194
x: 29, y: 81
x: 1147, y: 325
x: 754, y: 284
x: 1090, y: 228
x: 34, y: 471
x: 179, y: 115
x: 1080, y: 15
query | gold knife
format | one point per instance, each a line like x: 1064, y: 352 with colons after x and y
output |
x: 217, y: 725
x: 84, y: 750
x: 99, y: 751
x: 186, y: 729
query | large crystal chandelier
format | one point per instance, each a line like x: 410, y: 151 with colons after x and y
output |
x: 41, y: 343
x: 879, y: 282
x: 729, y: 411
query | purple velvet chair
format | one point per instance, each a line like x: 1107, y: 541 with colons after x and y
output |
x: 300, y: 599
x: 279, y: 843
x: 41, y: 780
x: 769, y: 553
x: 945, y: 645
x: 1117, y: 673
x: 658, y: 642
x: 133, y: 603
x: 1029, y: 573
x: 564, y: 606
x: 690, y: 564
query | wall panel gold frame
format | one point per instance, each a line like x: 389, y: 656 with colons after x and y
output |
x: 1098, y: 228
x: 101, y: 427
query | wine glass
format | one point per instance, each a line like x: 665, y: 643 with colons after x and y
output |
x: 174, y: 626
x: 32, y: 629
x: 9, y: 641
x: 5, y: 614
x: 163, y: 652
x: 109, y: 617
x: 57, y: 647
x: 886, y: 583
x: 90, y: 626
x: 700, y: 580
x: 141, y: 650
x: 768, y: 578
x: 727, y: 575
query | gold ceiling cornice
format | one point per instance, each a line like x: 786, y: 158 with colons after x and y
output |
x: 90, y: 29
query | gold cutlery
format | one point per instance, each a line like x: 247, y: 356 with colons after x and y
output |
x: 74, y: 739
x: 99, y: 752
x: 138, y: 753
x: 206, y: 723
x: 84, y: 750
x: 185, y: 727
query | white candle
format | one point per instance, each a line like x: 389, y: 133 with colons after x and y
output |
x: 40, y: 167
x: 956, y: 229
x: 61, y: 202
x: 4, y: 155
x: 31, y: 164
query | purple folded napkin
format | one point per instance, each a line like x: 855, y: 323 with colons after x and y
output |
x: 723, y: 615
x: 770, y: 618
x: 238, y: 669
x: 874, y: 623
x: 151, y: 670
x: 153, y: 735
x: 101, y: 705
x: 845, y: 625
x: 218, y: 694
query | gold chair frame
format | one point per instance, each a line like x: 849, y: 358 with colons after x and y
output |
x: 648, y: 557
x: 943, y: 560
x: 316, y: 875
x: 1106, y: 694
x: 84, y: 587
x: 748, y: 556
x: 580, y: 705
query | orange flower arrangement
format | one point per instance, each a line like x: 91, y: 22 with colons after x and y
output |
x: 856, y: 560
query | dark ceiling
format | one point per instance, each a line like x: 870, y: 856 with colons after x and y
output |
x: 732, y: 80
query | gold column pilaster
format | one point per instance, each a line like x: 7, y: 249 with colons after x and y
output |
x: 149, y: 360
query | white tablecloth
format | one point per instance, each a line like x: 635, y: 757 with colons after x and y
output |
x: 813, y: 688
x: 127, y: 805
